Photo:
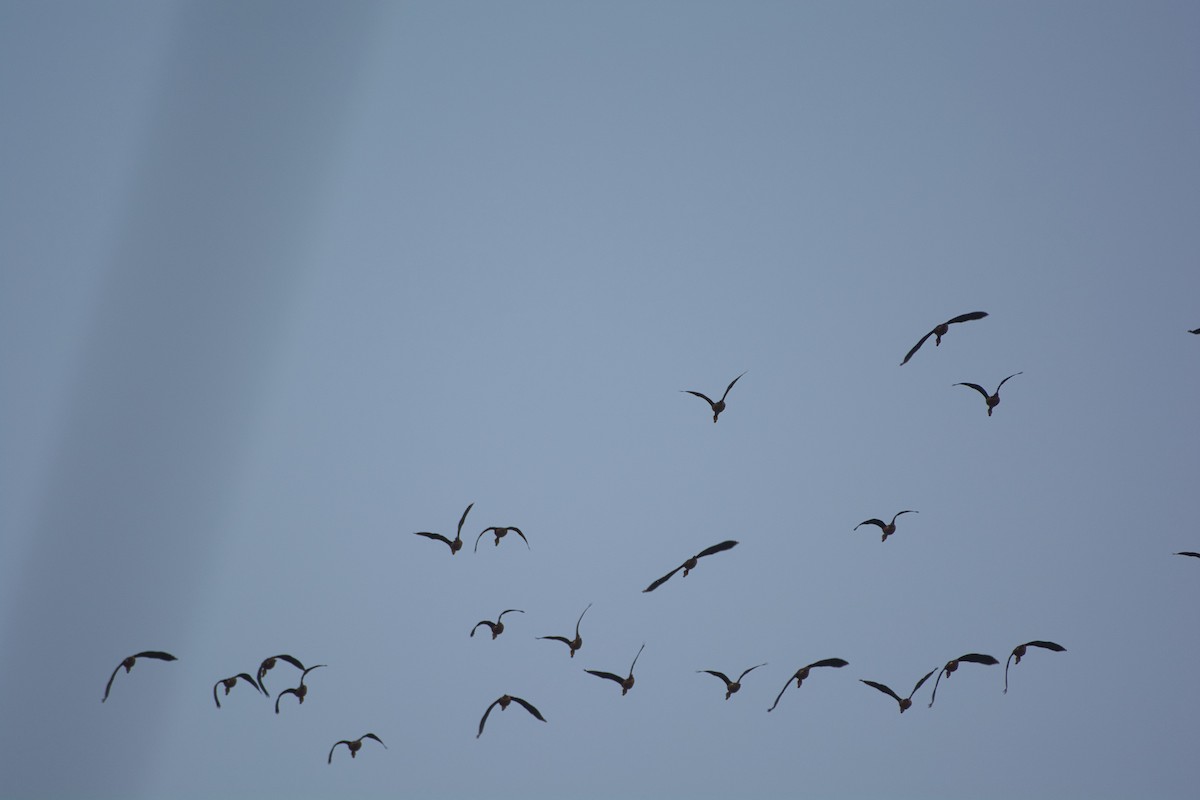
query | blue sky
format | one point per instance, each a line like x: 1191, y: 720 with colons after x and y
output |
x: 284, y: 283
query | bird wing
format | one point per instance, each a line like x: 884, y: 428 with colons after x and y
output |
x: 429, y: 535
x: 886, y: 690
x: 871, y: 521
x: 747, y: 672
x: 111, y: 678
x: 159, y: 654
x: 935, y: 685
x: 517, y: 531
x: 248, y: 679
x: 372, y: 736
x: 343, y: 741
x: 529, y: 707
x: 781, y: 691
x: 828, y: 662
x: 662, y: 580
x: 508, y: 611
x: 702, y: 396
x: 1188, y: 553
x: 262, y: 669
x: 915, y: 348
x: 720, y: 675
x: 978, y: 658
x: 490, y: 625
x: 1015, y: 374
x: 1195, y: 331
x: 279, y: 697
x: 215, y: 698
x: 480, y: 536
x: 562, y: 639
x: 921, y: 682
x: 1058, y: 648
x: 898, y: 513
x: 483, y: 719
x: 605, y: 675
x: 464, y: 519
x: 730, y: 386
x: 635, y: 658
x: 589, y: 605
x: 967, y: 317
x: 977, y: 388
x: 716, y: 548
x: 1006, y: 663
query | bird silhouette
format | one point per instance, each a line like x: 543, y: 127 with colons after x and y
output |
x: 300, y: 691
x: 500, y: 534
x: 455, y: 545
x: 718, y: 406
x: 888, y: 528
x: 503, y: 702
x: 1189, y: 553
x: 1195, y: 331
x: 268, y: 664
x: 128, y: 662
x: 951, y: 666
x: 228, y: 683
x: 1019, y: 651
x: 993, y: 400
x: 354, y: 745
x: 940, y: 331
x: 575, y: 643
x: 732, y: 687
x: 626, y: 683
x: 690, y: 564
x: 802, y: 673
x: 905, y: 702
x: 497, y: 626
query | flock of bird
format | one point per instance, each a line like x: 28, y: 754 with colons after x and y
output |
x: 575, y: 644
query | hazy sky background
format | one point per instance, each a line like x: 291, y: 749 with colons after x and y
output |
x: 282, y: 283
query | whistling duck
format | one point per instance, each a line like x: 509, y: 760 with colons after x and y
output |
x: 888, y: 528
x: 941, y: 330
x: 1015, y: 656
x: 731, y: 687
x: 690, y: 564
x: 718, y: 406
x: 626, y: 683
x: 354, y: 745
x: 455, y: 545
x: 575, y: 643
x: 503, y: 702
x: 268, y: 664
x: 993, y: 400
x: 228, y: 683
x: 497, y: 626
x: 802, y: 673
x: 500, y: 534
x: 905, y: 702
x: 951, y: 666
x: 128, y: 665
x: 300, y: 691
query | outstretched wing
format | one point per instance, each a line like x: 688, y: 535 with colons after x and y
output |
x: 279, y: 697
x: 480, y: 536
x: 704, y: 397
x: 720, y: 675
x: 886, y: 690
x: 781, y: 691
x: 978, y: 658
x: 716, y: 548
x: 461, y: 521
x: 635, y: 658
x: 662, y: 580
x: 111, y: 678
x: 921, y: 682
x: 508, y: 611
x: 898, y: 513
x: 562, y: 639
x: 1195, y: 331
x: 373, y: 736
x: 871, y: 521
x: 606, y: 675
x: 967, y: 317
x: 483, y: 719
x: 977, y: 388
x: 262, y: 669
x: 915, y: 348
x: 1058, y: 648
x: 589, y: 605
x: 1189, y: 553
x: 747, y: 672
x: 935, y: 685
x: 529, y: 707
x: 491, y: 626
x: 160, y: 655
x: 330, y: 759
x: 1015, y: 374
x: 730, y: 386
x: 517, y: 531
x: 429, y: 535
x: 216, y: 699
x: 828, y: 662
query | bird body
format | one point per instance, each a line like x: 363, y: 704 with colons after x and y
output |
x: 940, y: 330
x: 353, y: 745
x: 503, y: 701
x: 801, y: 674
x: 993, y: 399
x: 457, y: 543
x: 128, y: 663
x: 719, y: 405
x: 690, y: 564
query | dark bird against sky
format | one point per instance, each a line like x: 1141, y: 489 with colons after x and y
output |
x: 951, y: 666
x: 575, y: 643
x: 718, y: 406
x: 229, y: 683
x: 496, y: 627
x: 500, y: 534
x: 300, y: 691
x: 905, y: 702
x: 888, y: 528
x: 992, y: 400
x: 940, y: 331
x: 732, y: 687
x: 1019, y: 651
x: 627, y: 682
x: 503, y: 702
x: 802, y: 673
x: 690, y: 564
x: 457, y: 544
x: 268, y: 664
x: 128, y: 665
x: 353, y: 745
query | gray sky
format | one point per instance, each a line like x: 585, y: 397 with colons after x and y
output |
x: 284, y: 283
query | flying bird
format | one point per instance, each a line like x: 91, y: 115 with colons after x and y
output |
x: 941, y: 330
x: 626, y: 683
x: 731, y: 687
x: 993, y: 400
x: 802, y: 673
x: 951, y: 666
x: 497, y: 626
x: 455, y: 545
x: 268, y: 664
x: 354, y: 745
x: 500, y: 534
x: 128, y: 665
x: 1019, y: 651
x: 718, y: 406
x: 1189, y: 553
x: 300, y: 691
x: 1195, y: 331
x: 229, y: 684
x: 905, y: 702
x: 575, y: 643
x: 503, y: 702
x: 888, y: 528
x: 690, y: 564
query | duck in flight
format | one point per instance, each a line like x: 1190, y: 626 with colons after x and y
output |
x: 732, y: 687
x: 626, y: 683
x: 888, y: 528
x: 503, y: 702
x: 1189, y: 553
x: 268, y: 664
x: 500, y: 534
x: 229, y: 683
x: 300, y: 691
x: 690, y: 564
x: 127, y: 663
x: 718, y: 406
x: 940, y: 331
x: 575, y: 643
x: 354, y: 745
x: 993, y: 400
x: 802, y: 673
x: 951, y: 666
x: 497, y: 627
x: 905, y: 702
x: 455, y: 545
x: 1019, y: 651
